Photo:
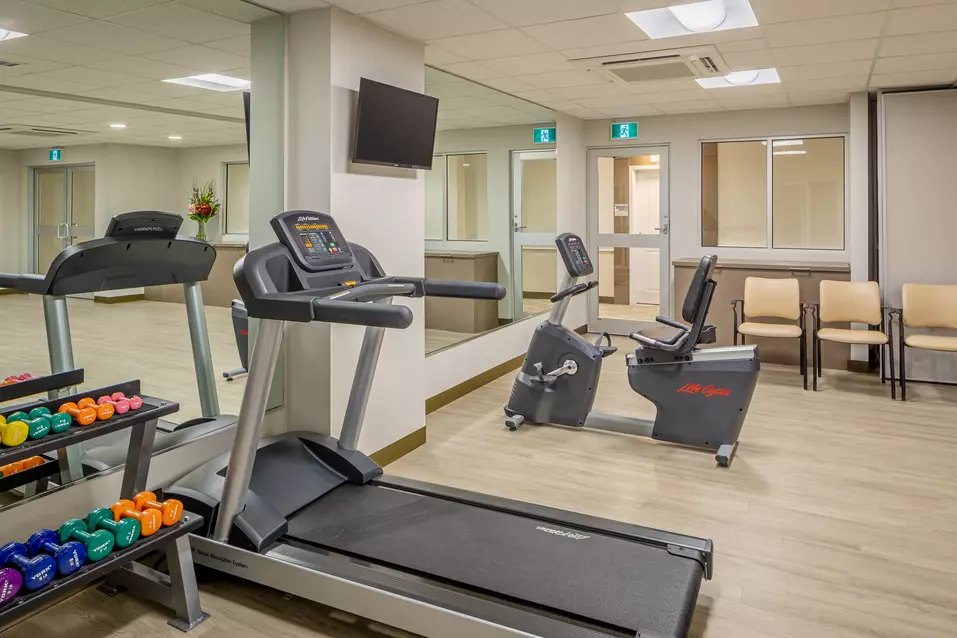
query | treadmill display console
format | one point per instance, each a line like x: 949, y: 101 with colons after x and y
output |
x: 572, y: 249
x: 313, y: 239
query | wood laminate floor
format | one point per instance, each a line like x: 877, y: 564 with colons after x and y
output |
x: 837, y: 519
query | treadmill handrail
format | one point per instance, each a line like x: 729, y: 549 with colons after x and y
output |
x: 455, y: 289
x: 361, y: 313
x: 25, y: 282
x: 374, y: 290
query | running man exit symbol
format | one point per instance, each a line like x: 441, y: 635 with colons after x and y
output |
x: 56, y: 154
x: 545, y: 136
x: 624, y: 130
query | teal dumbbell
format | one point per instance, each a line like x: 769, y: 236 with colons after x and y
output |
x: 60, y: 422
x: 98, y: 543
x: 39, y: 427
x: 38, y: 412
x: 126, y: 530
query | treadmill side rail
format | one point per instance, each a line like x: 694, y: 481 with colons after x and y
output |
x: 698, y: 548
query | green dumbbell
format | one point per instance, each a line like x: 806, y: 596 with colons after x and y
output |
x: 125, y: 530
x: 18, y: 416
x: 98, y: 543
x: 60, y: 422
x: 39, y: 427
x: 38, y: 412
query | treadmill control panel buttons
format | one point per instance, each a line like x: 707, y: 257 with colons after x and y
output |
x: 313, y: 239
x: 572, y: 249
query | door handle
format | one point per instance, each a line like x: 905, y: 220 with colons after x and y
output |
x: 518, y: 228
x: 663, y: 229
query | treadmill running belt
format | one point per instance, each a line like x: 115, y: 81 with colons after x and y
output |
x: 604, y: 579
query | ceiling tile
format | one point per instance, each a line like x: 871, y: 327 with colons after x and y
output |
x: 560, y: 105
x: 473, y: 70
x: 97, y: 8
x: 771, y: 102
x: 842, y: 29
x: 695, y: 106
x: 26, y: 64
x: 591, y: 90
x: 491, y: 44
x: 914, y: 78
x: 665, y: 86
x: 849, y: 83
x: 903, y: 4
x: 918, y: 44
x: 54, y: 50
x: 47, y: 84
x: 564, y: 79
x: 746, y: 92
x: 113, y: 37
x: 199, y: 57
x: 825, y: 53
x: 239, y: 11
x: 930, y: 62
x: 639, y: 45
x: 522, y: 13
x: 585, y: 114
x: 745, y: 60
x: 941, y: 17
x: 183, y: 22
x: 641, y: 5
x: 446, y: 91
x: 528, y: 64
x: 437, y: 19
x: 435, y: 55
x: 240, y: 45
x: 630, y: 111
x: 39, y: 104
x: 677, y: 96
x: 367, y: 6
x: 772, y: 11
x: 830, y: 70
x: 586, y: 32
x: 144, y: 68
x: 610, y: 101
x: 32, y: 18
x: 742, y: 45
x: 91, y: 77
x: 509, y: 85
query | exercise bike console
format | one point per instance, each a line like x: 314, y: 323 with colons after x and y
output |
x: 572, y: 249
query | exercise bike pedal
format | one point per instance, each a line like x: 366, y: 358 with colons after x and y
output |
x: 514, y: 421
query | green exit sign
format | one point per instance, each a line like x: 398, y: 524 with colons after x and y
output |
x: 56, y: 154
x: 546, y: 135
x: 624, y: 130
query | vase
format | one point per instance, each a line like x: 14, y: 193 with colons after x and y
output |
x: 201, y: 233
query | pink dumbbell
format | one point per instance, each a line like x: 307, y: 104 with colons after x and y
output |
x: 121, y: 405
x: 135, y: 402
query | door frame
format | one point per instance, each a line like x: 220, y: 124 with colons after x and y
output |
x: 660, y: 241
x: 521, y: 239
x: 71, y: 232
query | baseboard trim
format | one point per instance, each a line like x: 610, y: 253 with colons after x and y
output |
x: 606, y: 300
x: 119, y: 299
x: 395, y: 451
x: 456, y: 392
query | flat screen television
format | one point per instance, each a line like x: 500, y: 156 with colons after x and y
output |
x: 394, y: 127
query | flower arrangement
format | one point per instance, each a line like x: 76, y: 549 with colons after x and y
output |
x: 203, y: 205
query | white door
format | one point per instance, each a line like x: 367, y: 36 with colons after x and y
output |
x: 64, y: 202
x: 628, y: 238
x: 534, y: 226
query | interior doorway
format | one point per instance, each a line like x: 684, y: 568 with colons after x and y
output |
x: 64, y: 201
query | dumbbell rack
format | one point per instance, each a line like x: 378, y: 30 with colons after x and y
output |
x: 177, y: 590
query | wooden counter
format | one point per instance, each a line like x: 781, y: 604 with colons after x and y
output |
x: 730, y: 275
x: 469, y: 316
x: 219, y: 289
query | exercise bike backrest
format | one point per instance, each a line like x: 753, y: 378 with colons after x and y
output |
x: 694, y: 310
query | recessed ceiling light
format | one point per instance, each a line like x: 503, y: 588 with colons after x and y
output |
x: 788, y: 143
x: 175, y: 137
x: 6, y: 34
x: 741, y: 78
x: 117, y: 125
x: 213, y: 82
x: 695, y: 17
x: 789, y: 153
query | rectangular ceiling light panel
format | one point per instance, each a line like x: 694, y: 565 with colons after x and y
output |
x: 695, y: 18
x: 741, y: 78
x: 213, y: 82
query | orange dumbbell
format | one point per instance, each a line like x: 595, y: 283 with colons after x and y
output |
x: 83, y: 416
x: 32, y: 462
x: 86, y: 402
x: 12, y: 468
x: 172, y: 510
x: 150, y: 520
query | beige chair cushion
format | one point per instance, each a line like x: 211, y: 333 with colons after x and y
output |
x: 784, y: 330
x: 780, y: 298
x: 875, y: 337
x: 929, y: 306
x: 932, y: 342
x: 851, y: 301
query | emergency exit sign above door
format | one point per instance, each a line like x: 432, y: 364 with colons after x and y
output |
x: 545, y: 136
x: 624, y: 130
x: 56, y: 154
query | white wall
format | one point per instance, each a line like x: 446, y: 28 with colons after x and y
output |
x: 858, y: 187
x: 498, y: 142
x: 684, y: 133
x: 12, y: 219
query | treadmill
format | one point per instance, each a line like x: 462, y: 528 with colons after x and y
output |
x: 314, y: 517
x: 140, y: 249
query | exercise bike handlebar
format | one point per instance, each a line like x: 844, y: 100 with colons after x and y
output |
x: 672, y: 345
x: 672, y: 323
x: 572, y: 291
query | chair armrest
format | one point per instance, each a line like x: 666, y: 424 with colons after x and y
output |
x: 672, y: 323
x: 671, y: 345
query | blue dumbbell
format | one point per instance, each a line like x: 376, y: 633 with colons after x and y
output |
x: 37, y: 571
x: 69, y: 557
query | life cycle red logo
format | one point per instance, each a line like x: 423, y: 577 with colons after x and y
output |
x: 707, y: 391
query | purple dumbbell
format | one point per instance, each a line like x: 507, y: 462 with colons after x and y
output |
x: 10, y: 583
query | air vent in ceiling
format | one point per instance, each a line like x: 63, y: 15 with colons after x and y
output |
x: 9, y: 63
x: 38, y: 131
x: 657, y: 66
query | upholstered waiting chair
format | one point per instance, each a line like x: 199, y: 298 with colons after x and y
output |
x: 849, y: 302
x: 777, y: 298
x: 926, y: 306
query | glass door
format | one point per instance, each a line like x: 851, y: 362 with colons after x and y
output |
x: 64, y: 202
x: 534, y: 217
x: 628, y: 238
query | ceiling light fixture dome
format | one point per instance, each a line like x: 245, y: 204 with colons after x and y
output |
x: 741, y: 78
x: 6, y: 34
x: 701, y: 17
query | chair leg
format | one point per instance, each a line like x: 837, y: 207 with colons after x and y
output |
x: 903, y: 355
x: 815, y: 345
x: 804, y: 369
x: 890, y: 350
x: 880, y: 354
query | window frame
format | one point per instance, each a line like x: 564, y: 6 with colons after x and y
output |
x: 226, y: 230
x: 769, y: 220
x: 445, y: 193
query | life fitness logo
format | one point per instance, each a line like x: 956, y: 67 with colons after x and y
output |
x: 706, y: 391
